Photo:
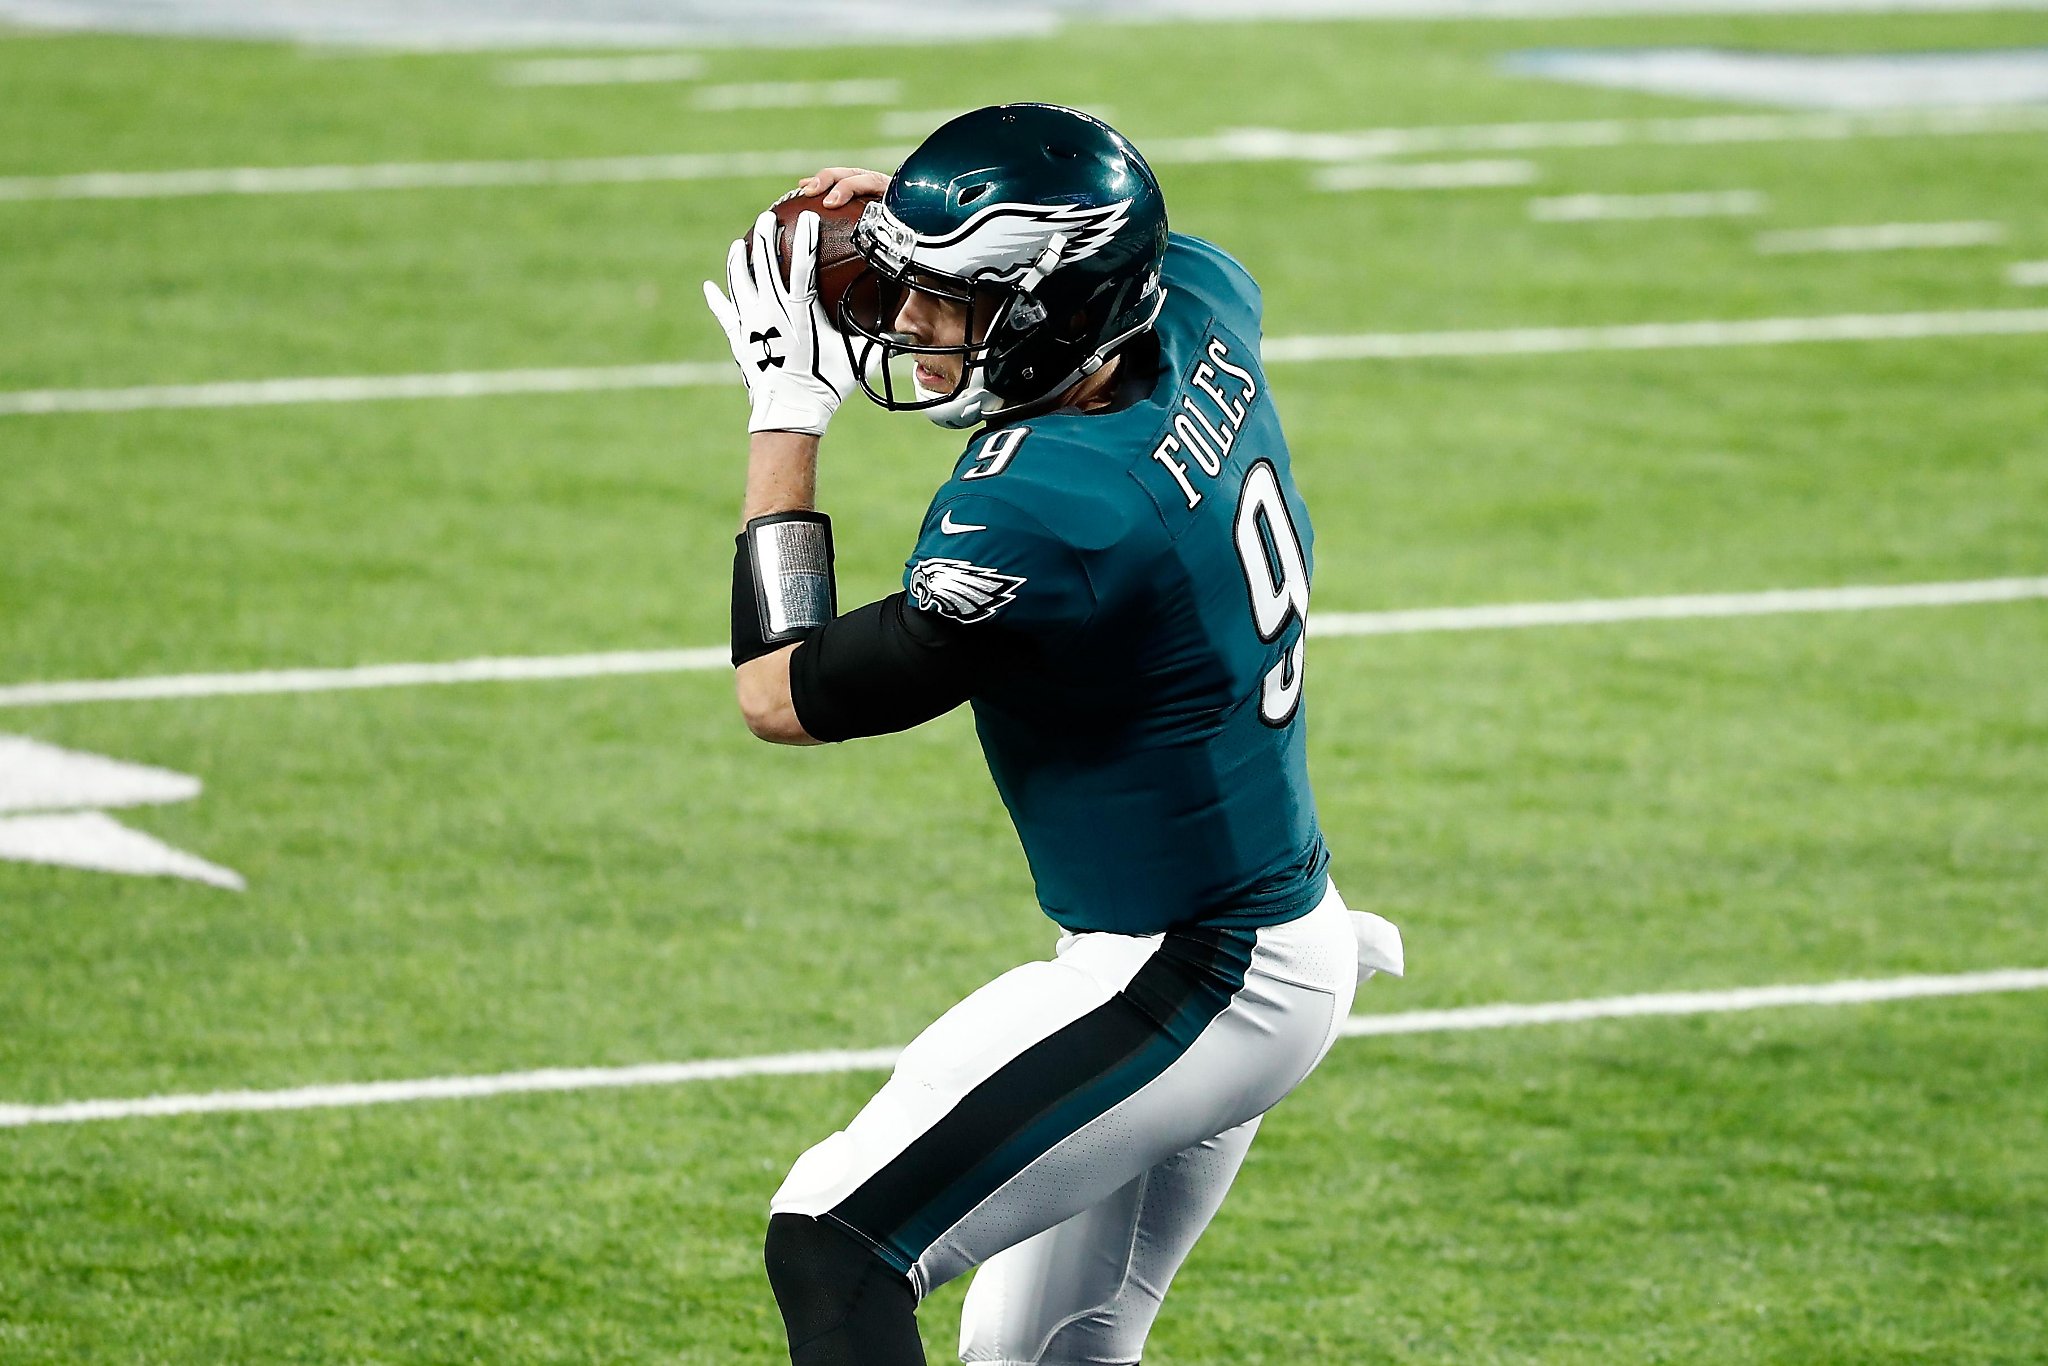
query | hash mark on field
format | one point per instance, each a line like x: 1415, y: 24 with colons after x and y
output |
x: 1234, y: 145
x: 2027, y: 273
x: 796, y: 94
x: 920, y: 121
x: 917, y: 123
x: 1502, y: 616
x: 1460, y: 1020
x: 1881, y: 237
x: 643, y: 69
x: 1508, y: 341
x: 1865, y: 80
x: 1424, y: 175
x: 1586, y: 208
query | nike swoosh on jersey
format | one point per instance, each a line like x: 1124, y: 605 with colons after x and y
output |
x: 953, y: 528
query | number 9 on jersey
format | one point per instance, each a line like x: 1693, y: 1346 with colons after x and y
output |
x: 1276, y: 579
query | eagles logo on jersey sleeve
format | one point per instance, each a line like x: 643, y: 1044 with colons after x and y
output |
x: 983, y: 559
x: 962, y: 591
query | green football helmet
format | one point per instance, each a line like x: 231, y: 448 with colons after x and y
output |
x: 1048, y: 227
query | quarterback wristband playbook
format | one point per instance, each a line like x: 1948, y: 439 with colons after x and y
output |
x: 782, y: 585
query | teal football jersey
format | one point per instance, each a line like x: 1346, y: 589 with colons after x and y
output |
x: 1146, y: 570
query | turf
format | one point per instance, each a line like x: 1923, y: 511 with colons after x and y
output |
x: 1861, y: 1185
x: 471, y: 879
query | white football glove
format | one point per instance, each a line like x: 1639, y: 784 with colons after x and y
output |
x: 794, y: 362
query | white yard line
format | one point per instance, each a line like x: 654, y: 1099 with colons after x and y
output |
x: 1502, y: 616
x: 796, y: 95
x: 1465, y: 1019
x: 1279, y: 144
x: 2027, y: 273
x: 512, y: 669
x: 1587, y: 208
x: 1854, y: 991
x: 438, y: 174
x: 1881, y: 237
x: 368, y: 388
x: 478, y: 24
x: 916, y: 123
x: 1593, y: 611
x: 1511, y: 341
x: 1236, y: 145
x: 1423, y: 175
x: 646, y: 68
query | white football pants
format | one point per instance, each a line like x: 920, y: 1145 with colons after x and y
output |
x: 1072, y: 1127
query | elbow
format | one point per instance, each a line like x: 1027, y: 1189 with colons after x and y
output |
x: 765, y: 720
x: 777, y: 727
x: 766, y: 707
x: 760, y: 721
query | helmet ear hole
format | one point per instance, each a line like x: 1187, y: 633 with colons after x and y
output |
x: 974, y: 192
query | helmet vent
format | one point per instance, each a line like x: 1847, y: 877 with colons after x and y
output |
x: 974, y: 192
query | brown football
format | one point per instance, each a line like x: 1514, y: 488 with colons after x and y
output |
x: 838, y: 262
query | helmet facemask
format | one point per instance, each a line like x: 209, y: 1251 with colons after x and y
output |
x: 1009, y: 329
x: 868, y: 313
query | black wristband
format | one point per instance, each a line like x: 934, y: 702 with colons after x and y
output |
x: 783, y: 587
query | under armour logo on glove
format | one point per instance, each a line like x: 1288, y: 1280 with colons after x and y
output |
x: 796, y: 365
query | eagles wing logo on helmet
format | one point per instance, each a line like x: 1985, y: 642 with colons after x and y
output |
x: 999, y: 243
x: 963, y: 591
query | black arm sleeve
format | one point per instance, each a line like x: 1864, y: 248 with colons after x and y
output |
x: 881, y: 668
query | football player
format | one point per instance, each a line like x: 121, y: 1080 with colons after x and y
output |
x: 1116, y: 578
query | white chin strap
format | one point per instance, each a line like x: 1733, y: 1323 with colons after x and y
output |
x: 964, y: 409
x: 974, y: 403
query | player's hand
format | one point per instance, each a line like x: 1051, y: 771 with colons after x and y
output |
x: 794, y: 362
x: 841, y: 183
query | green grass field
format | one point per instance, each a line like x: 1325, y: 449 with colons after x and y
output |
x: 499, y: 877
